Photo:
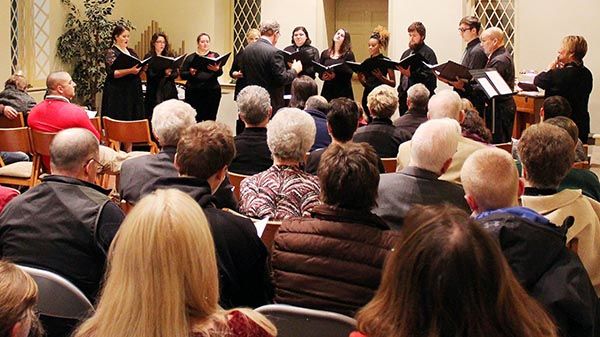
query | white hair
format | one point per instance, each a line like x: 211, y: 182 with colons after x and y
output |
x: 254, y: 104
x: 445, y: 104
x: 290, y: 134
x: 433, y: 143
x: 170, y: 118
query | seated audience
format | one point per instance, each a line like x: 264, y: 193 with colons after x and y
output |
x: 445, y: 104
x: 15, y: 94
x: 583, y: 179
x: 318, y: 108
x: 332, y: 260
x: 303, y: 87
x: 381, y: 133
x: 6, y: 195
x: 66, y: 223
x: 169, y: 119
x: 433, y: 145
x: 252, y: 153
x: 163, y: 278
x: 284, y: 190
x: 533, y: 246
x: 342, y: 121
x: 18, y: 297
x: 204, y: 152
x: 417, y: 99
x: 473, y: 127
x: 447, y: 277
x: 546, y: 152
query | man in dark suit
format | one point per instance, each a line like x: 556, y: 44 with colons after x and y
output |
x: 169, y: 119
x: 252, y: 154
x: 433, y: 145
x: 263, y: 64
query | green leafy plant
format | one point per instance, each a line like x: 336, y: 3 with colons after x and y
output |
x: 86, y: 38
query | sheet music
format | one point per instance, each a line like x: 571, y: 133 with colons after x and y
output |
x: 261, y: 225
x: 487, y: 87
x: 499, y: 83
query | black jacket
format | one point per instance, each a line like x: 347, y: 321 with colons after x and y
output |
x: 383, y: 136
x: 536, y: 250
x: 241, y: 255
x: 252, y: 154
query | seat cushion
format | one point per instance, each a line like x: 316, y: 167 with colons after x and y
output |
x: 20, y: 169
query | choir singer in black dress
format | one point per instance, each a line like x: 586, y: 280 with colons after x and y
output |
x: 338, y: 83
x: 160, y: 82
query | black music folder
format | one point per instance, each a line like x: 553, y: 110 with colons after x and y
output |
x: 413, y: 60
x: 491, y: 82
x: 165, y: 62
x: 371, y: 64
x: 126, y: 61
x: 201, y: 62
x: 451, y: 71
x: 527, y: 86
x: 320, y: 68
x: 289, y: 57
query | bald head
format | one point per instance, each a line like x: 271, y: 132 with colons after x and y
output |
x: 71, y: 150
x: 445, y: 104
x: 490, y: 165
x: 60, y: 83
x: 494, y: 33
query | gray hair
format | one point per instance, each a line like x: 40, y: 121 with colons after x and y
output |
x: 418, y: 95
x: 445, y: 104
x: 254, y: 104
x: 317, y: 102
x: 269, y: 27
x: 433, y: 143
x: 290, y: 134
x: 170, y: 118
x: 71, y: 148
x: 382, y: 101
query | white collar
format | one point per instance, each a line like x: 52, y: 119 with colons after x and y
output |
x: 58, y: 98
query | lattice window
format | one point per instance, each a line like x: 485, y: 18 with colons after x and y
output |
x: 14, y: 33
x: 246, y: 15
x: 498, y: 13
x: 41, y: 38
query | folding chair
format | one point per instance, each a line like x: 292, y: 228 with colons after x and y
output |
x: 294, y: 321
x: 19, y: 173
x: 134, y: 132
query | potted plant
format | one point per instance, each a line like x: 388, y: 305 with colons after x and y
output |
x: 86, y: 38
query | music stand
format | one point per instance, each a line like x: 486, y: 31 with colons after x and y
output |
x: 493, y: 85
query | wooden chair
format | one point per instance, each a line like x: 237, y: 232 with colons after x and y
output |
x: 20, y: 173
x: 18, y: 122
x: 505, y: 146
x: 585, y: 165
x: 40, y: 146
x: 134, y: 132
x: 268, y: 235
x: 97, y: 123
x: 236, y: 180
x: 389, y: 164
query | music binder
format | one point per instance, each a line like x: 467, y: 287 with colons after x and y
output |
x: 289, y: 57
x: 451, y: 71
x: 165, y: 62
x: 201, y: 62
x: 413, y: 60
x: 126, y: 61
x: 320, y: 68
x: 526, y: 86
x: 371, y: 64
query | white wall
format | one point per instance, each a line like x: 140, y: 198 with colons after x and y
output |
x: 5, y: 39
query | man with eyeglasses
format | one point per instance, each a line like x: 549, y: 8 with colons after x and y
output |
x: 66, y: 223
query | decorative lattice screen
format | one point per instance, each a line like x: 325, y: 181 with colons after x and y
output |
x: 246, y: 15
x: 498, y: 13
x: 14, y: 35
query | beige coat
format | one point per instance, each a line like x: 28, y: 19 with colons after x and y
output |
x: 586, y: 228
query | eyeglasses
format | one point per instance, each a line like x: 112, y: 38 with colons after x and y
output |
x: 92, y: 160
x: 462, y: 30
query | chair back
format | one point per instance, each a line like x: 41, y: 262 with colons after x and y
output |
x: 236, y: 180
x: 97, y: 123
x: 12, y: 123
x: 505, y: 146
x: 294, y: 321
x: 15, y: 139
x: 135, y: 132
x: 389, y: 164
x: 40, y: 142
x: 268, y: 235
x: 57, y: 296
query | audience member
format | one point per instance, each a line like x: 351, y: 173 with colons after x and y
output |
x: 15, y: 95
x: 546, y: 152
x: 342, y: 121
x: 303, y: 87
x: 433, y: 145
x: 18, y: 297
x: 381, y: 133
x: 163, y: 278
x: 66, y: 223
x: 558, y: 106
x: 6, y: 195
x: 252, y: 153
x: 576, y: 178
x: 284, y: 190
x: 447, y: 277
x: 204, y: 152
x: 445, y: 103
x: 417, y: 99
x: 533, y: 246
x: 318, y: 108
x: 473, y: 127
x: 332, y: 260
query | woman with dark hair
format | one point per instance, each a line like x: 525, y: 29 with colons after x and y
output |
x: 160, y: 83
x: 202, y: 89
x: 473, y: 127
x: 448, y: 277
x: 338, y: 82
x: 301, y: 42
x: 303, y: 88
x: 122, y: 94
x: 378, y: 43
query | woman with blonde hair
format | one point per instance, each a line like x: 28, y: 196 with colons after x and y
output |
x: 18, y: 297
x: 448, y: 277
x: 162, y: 277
